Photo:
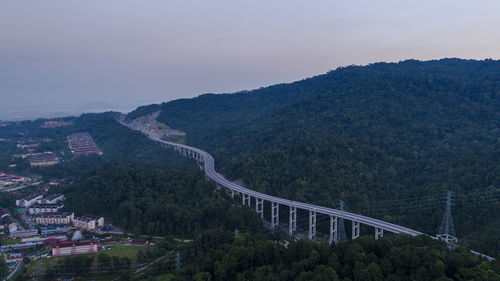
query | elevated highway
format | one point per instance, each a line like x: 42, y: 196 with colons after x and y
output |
x: 247, y: 194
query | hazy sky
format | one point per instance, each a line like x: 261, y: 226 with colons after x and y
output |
x: 69, y: 56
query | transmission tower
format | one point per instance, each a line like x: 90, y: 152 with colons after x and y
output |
x: 341, y: 236
x: 447, y: 230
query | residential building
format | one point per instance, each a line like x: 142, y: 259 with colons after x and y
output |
x: 37, y: 208
x: 24, y: 233
x: 84, y: 223
x: 53, y: 198
x: 55, y: 218
x: 43, y: 159
x: 82, y: 144
x: 99, y: 221
x: 29, y: 200
x: 56, y: 124
x: 65, y: 248
x: 8, y: 179
x: 88, y: 221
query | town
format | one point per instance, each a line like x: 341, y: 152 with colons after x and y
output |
x: 39, y: 229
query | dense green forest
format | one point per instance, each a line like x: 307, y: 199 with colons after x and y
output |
x: 148, y: 198
x: 387, y: 138
x: 256, y: 257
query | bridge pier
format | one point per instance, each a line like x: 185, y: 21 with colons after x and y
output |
x: 275, y: 214
x: 312, y: 224
x: 246, y: 199
x: 259, y: 206
x: 292, y: 226
x: 379, y: 232
x: 333, y: 230
x: 355, y: 229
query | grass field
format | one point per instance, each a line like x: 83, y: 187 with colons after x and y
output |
x: 41, y: 264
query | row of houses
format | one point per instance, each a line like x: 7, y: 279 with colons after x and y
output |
x: 86, y: 221
x: 43, y: 159
x: 57, y: 124
x: 38, y: 208
x: 40, y: 159
x: 82, y: 144
x: 8, y: 179
x: 55, y: 218
x: 38, y: 198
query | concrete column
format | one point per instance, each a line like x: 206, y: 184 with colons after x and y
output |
x: 333, y: 230
x: 275, y: 219
x: 292, y: 226
x: 312, y: 224
x: 259, y: 206
x: 355, y: 229
x: 379, y: 232
x: 232, y: 193
x: 246, y: 199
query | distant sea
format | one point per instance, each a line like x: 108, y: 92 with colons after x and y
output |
x: 17, y: 112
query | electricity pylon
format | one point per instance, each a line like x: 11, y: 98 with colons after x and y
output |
x: 447, y: 230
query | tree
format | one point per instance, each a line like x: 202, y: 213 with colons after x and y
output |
x: 103, y: 260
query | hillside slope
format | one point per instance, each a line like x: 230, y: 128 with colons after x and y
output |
x: 376, y: 136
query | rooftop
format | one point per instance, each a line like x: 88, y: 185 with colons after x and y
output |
x: 32, y: 196
x: 53, y: 196
x: 64, y: 244
x: 55, y: 205
x: 54, y: 215
x: 92, y: 216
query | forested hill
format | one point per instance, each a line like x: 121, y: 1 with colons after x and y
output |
x: 376, y: 136
x: 201, y: 115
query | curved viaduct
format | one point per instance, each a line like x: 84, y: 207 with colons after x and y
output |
x: 247, y: 194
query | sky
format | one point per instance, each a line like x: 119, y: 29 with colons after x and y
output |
x: 66, y: 56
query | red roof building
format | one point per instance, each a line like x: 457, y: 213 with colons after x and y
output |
x: 65, y: 248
